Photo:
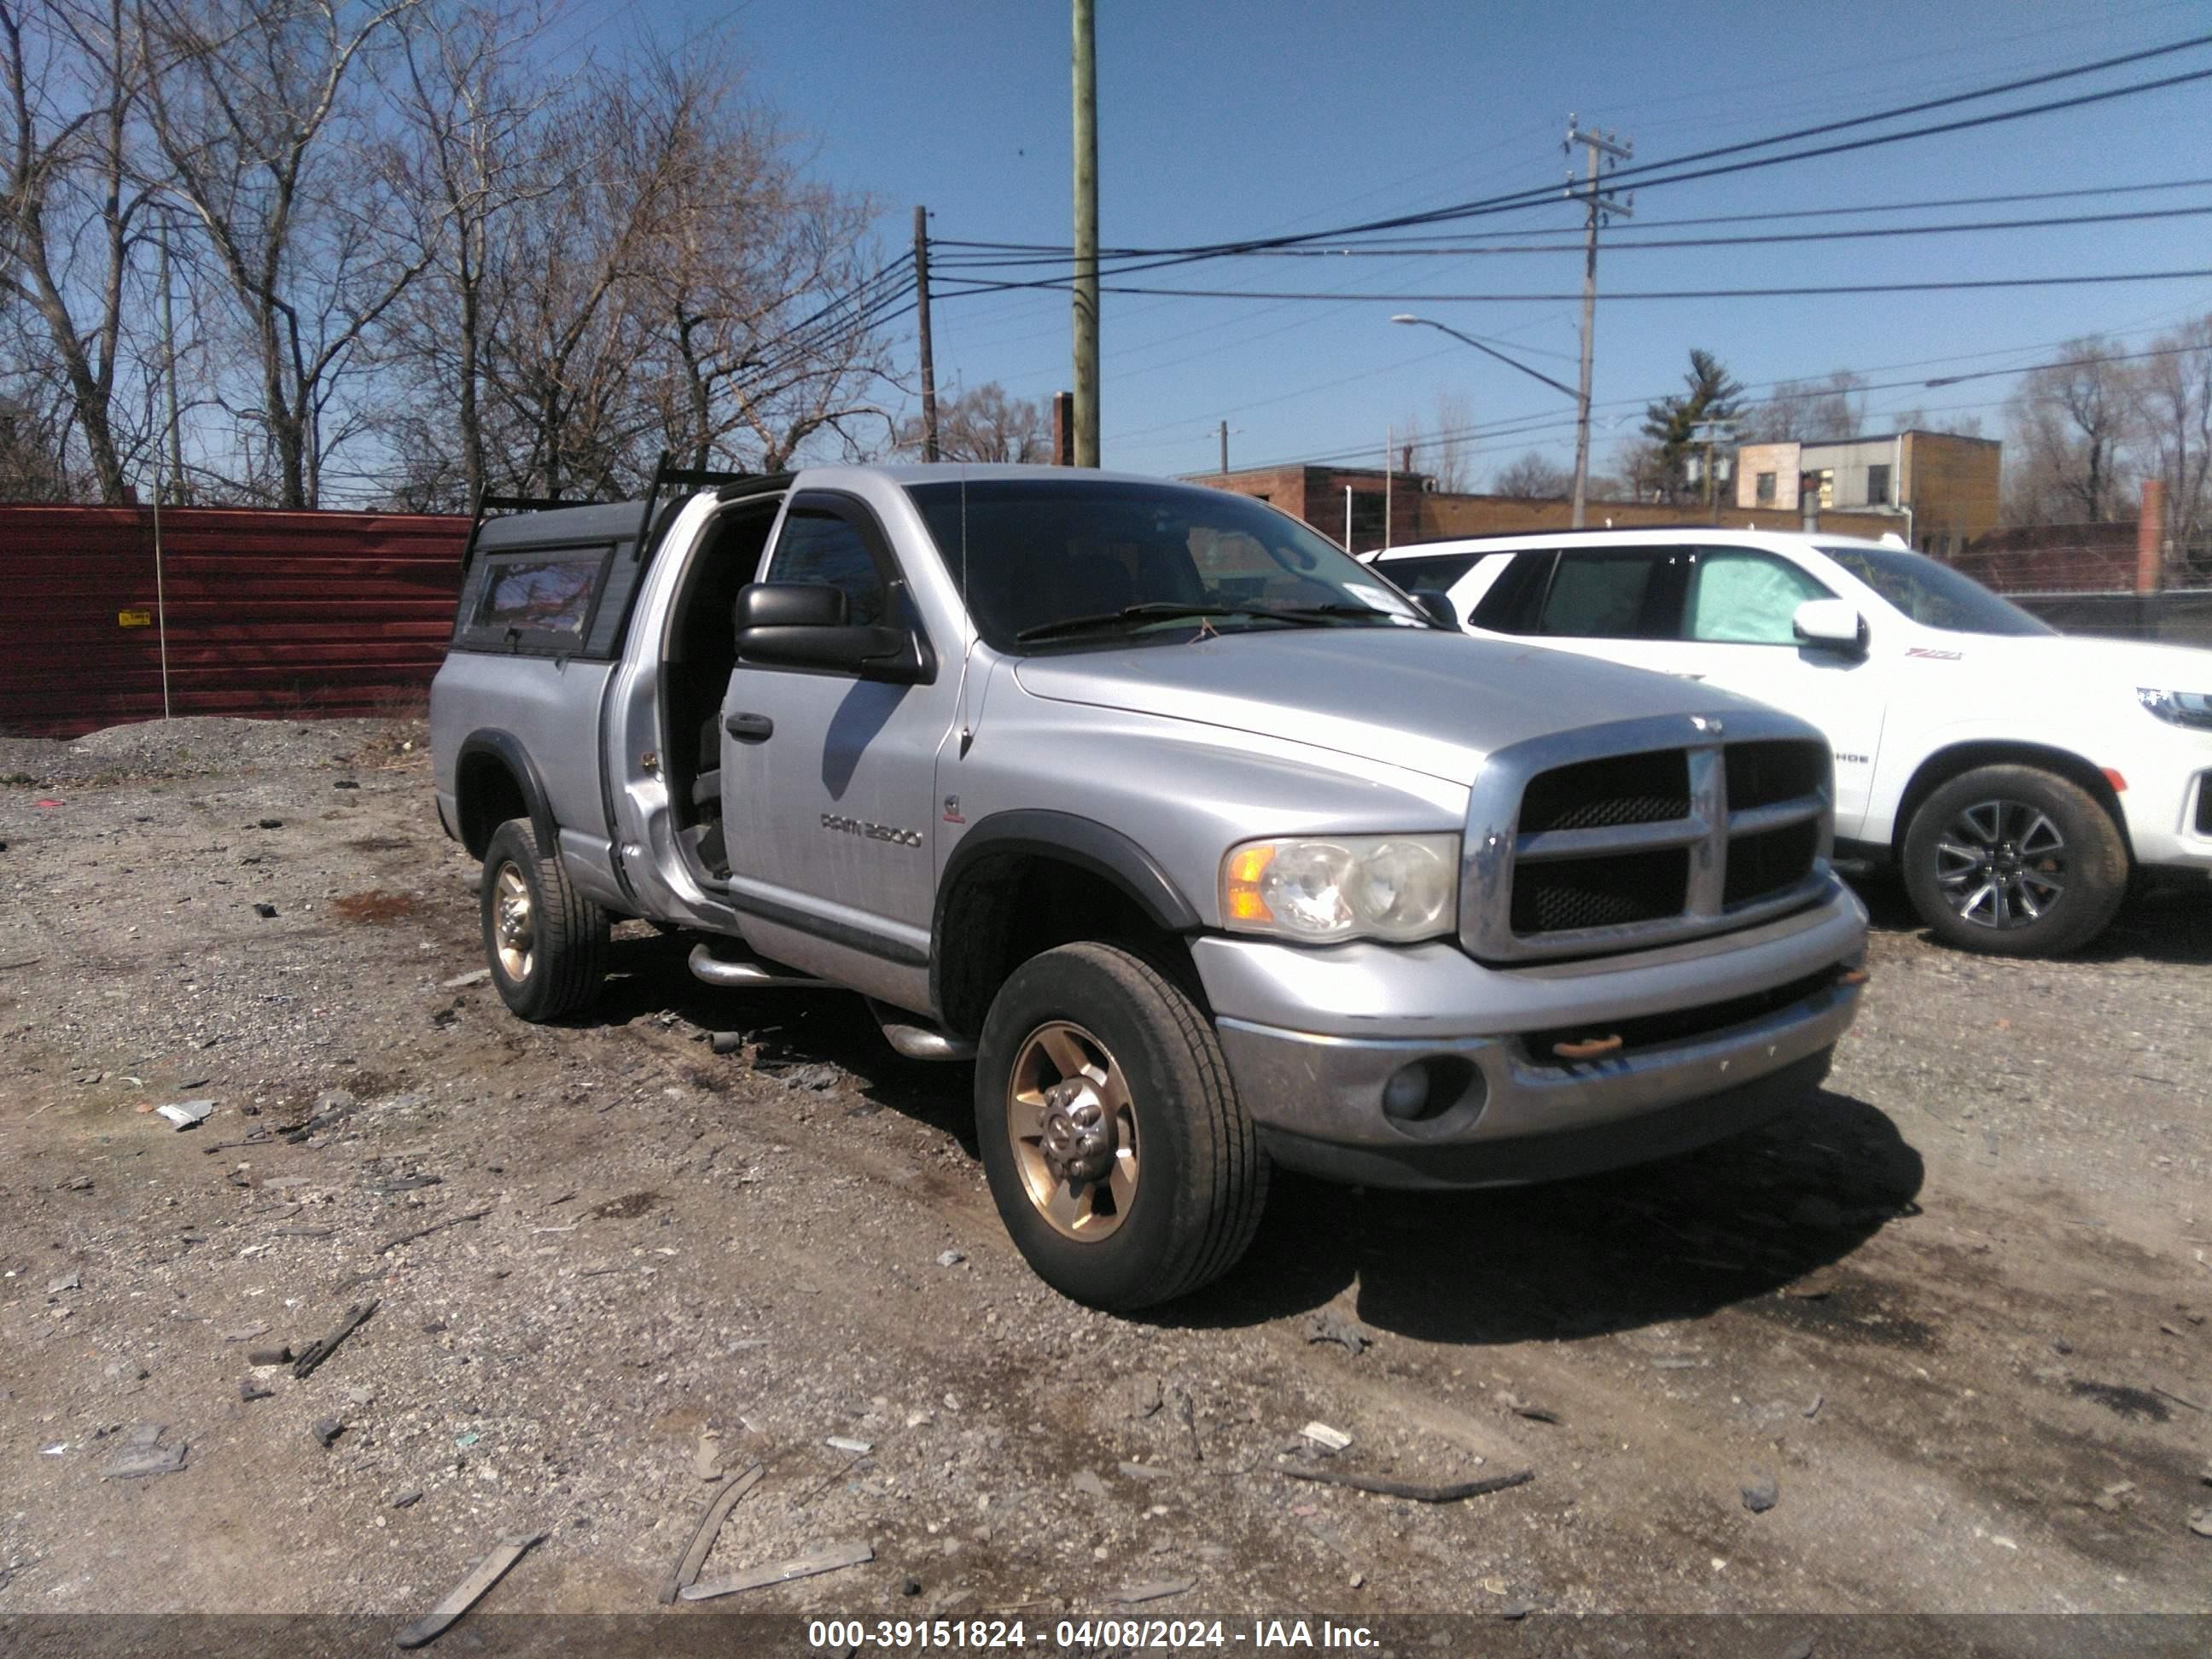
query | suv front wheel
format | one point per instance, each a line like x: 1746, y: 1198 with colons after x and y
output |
x: 2014, y: 861
x: 1120, y: 1157
x: 545, y: 943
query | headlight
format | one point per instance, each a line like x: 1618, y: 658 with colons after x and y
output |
x: 1328, y: 888
x: 2190, y: 708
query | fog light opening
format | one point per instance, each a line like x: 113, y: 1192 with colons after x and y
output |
x: 1425, y: 1090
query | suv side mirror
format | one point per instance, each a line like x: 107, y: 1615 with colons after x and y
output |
x: 805, y: 625
x: 1833, y: 624
x: 1438, y: 605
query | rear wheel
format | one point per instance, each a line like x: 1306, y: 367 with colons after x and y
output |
x: 1121, y: 1161
x: 545, y: 943
x: 2014, y: 861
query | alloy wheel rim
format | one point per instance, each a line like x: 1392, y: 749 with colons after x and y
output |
x: 2002, y: 865
x: 1072, y: 1128
x: 514, y: 926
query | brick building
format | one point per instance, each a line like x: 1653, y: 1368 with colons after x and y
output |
x: 1347, y: 503
x: 1937, y: 489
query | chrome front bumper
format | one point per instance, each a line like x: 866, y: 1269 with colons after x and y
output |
x: 1500, y: 1113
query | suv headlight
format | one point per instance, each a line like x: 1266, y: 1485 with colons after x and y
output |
x: 1323, y: 889
x: 2190, y: 708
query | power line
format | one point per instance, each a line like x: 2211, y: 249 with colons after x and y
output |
x: 1957, y: 285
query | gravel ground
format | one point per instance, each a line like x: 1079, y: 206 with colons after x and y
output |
x: 1950, y: 1317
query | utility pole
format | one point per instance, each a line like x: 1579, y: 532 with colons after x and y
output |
x: 1601, y: 150
x: 929, y: 450
x: 1225, y: 447
x: 1086, y: 236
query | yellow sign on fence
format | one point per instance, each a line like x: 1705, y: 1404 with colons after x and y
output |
x: 134, y: 619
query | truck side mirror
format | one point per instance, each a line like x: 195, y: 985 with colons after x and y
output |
x: 1831, y: 624
x: 1438, y: 605
x: 805, y: 625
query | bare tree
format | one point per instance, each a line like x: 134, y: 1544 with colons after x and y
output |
x: 1811, y: 411
x: 984, y: 424
x: 1534, y: 477
x: 2172, y: 398
x: 267, y: 142
x: 2070, y: 422
x: 1450, y: 460
x: 71, y: 86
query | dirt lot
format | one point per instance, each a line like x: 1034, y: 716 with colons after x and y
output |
x: 1954, y: 1310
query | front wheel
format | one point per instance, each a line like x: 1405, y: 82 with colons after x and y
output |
x: 545, y: 943
x: 2014, y: 861
x: 1120, y: 1157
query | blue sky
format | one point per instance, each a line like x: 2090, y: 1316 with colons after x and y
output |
x: 1224, y: 119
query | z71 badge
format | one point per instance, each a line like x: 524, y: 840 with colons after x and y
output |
x: 897, y: 837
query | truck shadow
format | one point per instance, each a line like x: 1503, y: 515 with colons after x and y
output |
x: 1674, y: 1240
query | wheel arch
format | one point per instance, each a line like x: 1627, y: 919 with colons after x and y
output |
x: 495, y: 780
x: 1024, y: 881
x: 1955, y: 759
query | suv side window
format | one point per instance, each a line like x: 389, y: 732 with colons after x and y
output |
x: 1742, y: 596
x: 823, y: 547
x: 1436, y: 571
x: 1614, y: 593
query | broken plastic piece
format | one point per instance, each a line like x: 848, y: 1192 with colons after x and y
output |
x: 465, y: 1595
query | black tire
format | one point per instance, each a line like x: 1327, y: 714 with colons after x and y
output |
x: 566, y: 960
x: 1202, y: 1178
x: 2014, y: 861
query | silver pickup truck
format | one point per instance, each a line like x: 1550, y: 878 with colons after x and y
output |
x: 1213, y: 850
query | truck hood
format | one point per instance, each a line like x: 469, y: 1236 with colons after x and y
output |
x: 1422, y: 699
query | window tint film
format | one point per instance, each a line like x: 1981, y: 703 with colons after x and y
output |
x: 1741, y: 597
x: 821, y: 548
x: 1609, y: 596
x: 540, y: 595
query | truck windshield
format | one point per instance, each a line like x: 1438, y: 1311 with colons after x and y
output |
x: 1933, y: 594
x: 1057, y: 564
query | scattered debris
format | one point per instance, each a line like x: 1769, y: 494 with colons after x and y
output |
x: 186, y: 1113
x: 266, y: 912
x: 463, y: 1596
x: 804, y: 1567
x: 67, y: 1282
x: 1320, y: 1434
x: 355, y: 1317
x: 710, y: 1525
x: 1454, y: 1492
x: 406, y: 1497
x: 707, y: 1456
x: 846, y: 1443
x: 326, y: 1430
x: 628, y: 1207
x: 390, y: 1244
x: 249, y: 1390
x: 143, y: 1454
x: 2200, y: 1522
x: 1330, y: 1326
x: 1528, y: 1409
x: 1760, y: 1494
x: 2178, y: 1399
x: 345, y: 783
x: 1146, y: 1472
x: 1087, y: 1482
x: 1814, y: 1410
x: 474, y: 976
x: 280, y: 1355
x: 1158, y: 1589
x: 950, y: 1258
x: 245, y: 1334
x: 269, y: 824
x: 1145, y: 1396
x: 727, y: 1042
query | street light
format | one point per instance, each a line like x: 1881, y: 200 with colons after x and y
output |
x: 1582, y: 454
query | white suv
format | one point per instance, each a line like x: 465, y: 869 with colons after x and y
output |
x: 2016, y: 775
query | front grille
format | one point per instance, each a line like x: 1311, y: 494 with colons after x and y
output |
x: 2205, y: 804
x: 1695, y: 823
x: 1679, y: 1025
x: 1767, y: 773
x: 1648, y: 788
x: 1762, y: 865
x: 1614, y: 889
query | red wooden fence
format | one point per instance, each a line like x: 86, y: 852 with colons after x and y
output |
x: 267, y: 613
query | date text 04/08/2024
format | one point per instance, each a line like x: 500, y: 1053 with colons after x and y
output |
x: 845, y: 1635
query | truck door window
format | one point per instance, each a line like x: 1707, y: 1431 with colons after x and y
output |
x: 821, y: 547
x: 1738, y: 597
x: 1612, y: 594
